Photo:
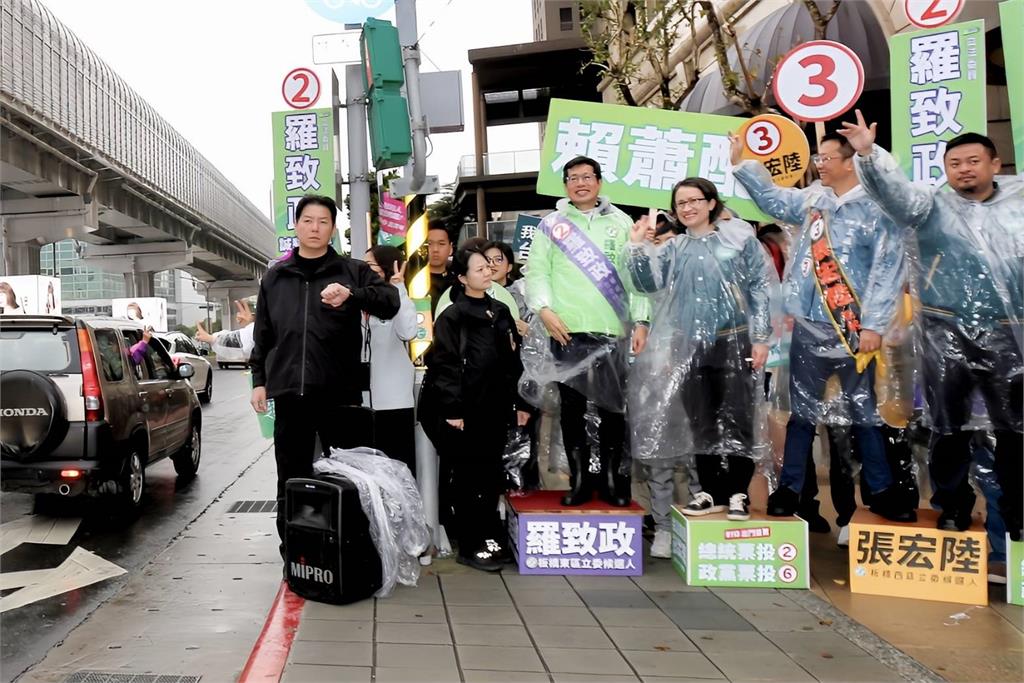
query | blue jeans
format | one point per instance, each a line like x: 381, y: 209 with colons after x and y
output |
x: 984, y: 474
x: 814, y: 356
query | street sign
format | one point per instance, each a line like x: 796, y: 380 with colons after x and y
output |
x: 301, y: 88
x: 779, y: 144
x: 818, y: 80
x: 337, y: 48
x: 350, y: 11
x: 932, y: 13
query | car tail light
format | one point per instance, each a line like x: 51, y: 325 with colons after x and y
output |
x: 90, y: 378
x: 70, y: 474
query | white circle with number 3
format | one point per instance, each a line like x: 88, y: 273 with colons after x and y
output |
x: 932, y: 13
x: 787, y: 573
x: 818, y: 81
x: 763, y: 138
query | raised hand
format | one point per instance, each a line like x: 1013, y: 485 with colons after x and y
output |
x: 639, y: 232
x: 860, y: 135
x: 735, y: 149
x: 399, y: 275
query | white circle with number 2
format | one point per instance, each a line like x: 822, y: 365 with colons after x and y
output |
x: 932, y: 13
x: 787, y: 552
x: 818, y: 81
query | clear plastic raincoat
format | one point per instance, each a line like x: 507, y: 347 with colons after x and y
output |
x: 692, y: 391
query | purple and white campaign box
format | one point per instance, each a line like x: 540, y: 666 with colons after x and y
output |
x: 592, y: 539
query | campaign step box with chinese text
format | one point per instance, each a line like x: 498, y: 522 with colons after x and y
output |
x: 1014, y: 571
x: 594, y: 538
x: 916, y: 560
x: 762, y: 552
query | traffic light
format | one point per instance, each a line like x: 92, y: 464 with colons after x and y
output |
x: 417, y: 272
x: 387, y: 112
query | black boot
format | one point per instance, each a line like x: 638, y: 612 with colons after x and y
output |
x: 783, y: 502
x: 615, y: 487
x: 580, y: 491
x: 893, y: 505
x: 809, y: 512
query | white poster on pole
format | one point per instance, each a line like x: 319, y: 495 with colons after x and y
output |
x: 150, y: 311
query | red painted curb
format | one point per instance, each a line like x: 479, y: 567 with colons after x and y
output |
x: 270, y: 653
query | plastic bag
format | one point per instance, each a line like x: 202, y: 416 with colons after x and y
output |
x: 234, y: 345
x: 516, y: 458
x: 391, y: 500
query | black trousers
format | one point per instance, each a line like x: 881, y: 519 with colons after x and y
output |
x: 298, y: 421
x: 611, y: 428
x: 957, y: 360
x: 473, y: 457
x: 394, y: 433
x: 722, y: 478
x: 718, y: 397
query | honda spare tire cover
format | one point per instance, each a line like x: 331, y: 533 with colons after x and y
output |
x: 33, y: 414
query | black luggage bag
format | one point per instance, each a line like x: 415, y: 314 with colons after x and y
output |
x: 330, y: 554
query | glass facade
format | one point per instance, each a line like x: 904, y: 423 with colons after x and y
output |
x: 77, y: 280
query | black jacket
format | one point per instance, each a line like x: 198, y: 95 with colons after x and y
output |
x: 473, y: 365
x: 304, y: 346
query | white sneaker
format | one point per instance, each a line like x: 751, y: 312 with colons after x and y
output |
x: 702, y: 504
x: 739, y: 508
x: 843, y: 541
x: 662, y: 545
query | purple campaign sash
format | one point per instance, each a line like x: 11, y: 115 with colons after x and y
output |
x: 591, y: 261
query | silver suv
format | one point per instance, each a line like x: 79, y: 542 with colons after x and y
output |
x: 80, y: 416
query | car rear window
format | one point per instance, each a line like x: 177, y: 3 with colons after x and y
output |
x: 109, y: 353
x: 53, y: 351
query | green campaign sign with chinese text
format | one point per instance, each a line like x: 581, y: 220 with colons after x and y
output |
x: 938, y: 92
x: 1014, y: 570
x: 757, y: 553
x: 303, y: 164
x: 642, y: 152
x: 1011, y: 25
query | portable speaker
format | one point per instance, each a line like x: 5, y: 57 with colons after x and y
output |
x: 330, y: 554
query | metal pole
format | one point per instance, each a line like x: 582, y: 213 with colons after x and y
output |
x: 358, y: 168
x: 408, y: 36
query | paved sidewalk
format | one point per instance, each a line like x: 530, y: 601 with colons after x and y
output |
x: 200, y: 607
x: 462, y: 625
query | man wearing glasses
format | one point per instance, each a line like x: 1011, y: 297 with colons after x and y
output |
x: 573, y: 283
x: 844, y: 278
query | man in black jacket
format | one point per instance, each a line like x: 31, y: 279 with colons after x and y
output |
x: 307, y: 337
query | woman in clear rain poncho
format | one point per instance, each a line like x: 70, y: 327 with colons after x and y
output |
x: 694, y: 391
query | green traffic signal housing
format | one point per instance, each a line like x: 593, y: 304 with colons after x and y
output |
x: 387, y: 112
x: 382, y: 55
x: 390, y: 134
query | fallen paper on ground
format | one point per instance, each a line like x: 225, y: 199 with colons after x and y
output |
x: 37, y: 529
x: 81, y: 569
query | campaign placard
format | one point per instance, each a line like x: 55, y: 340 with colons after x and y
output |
x: 762, y: 552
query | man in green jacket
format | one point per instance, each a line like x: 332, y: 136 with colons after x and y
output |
x: 573, y: 283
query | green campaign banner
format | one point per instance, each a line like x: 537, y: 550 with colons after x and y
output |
x: 938, y: 92
x: 643, y: 152
x: 1011, y: 24
x: 1014, y: 571
x: 303, y: 164
x: 757, y: 553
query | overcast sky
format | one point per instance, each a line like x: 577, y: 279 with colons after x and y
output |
x: 213, y: 68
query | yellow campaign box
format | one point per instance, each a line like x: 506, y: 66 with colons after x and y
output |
x: 917, y: 560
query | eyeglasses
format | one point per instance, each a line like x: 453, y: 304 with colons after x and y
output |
x: 819, y: 159
x: 587, y: 179
x: 496, y: 260
x: 687, y: 203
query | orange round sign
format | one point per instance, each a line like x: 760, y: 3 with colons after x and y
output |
x: 779, y: 144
